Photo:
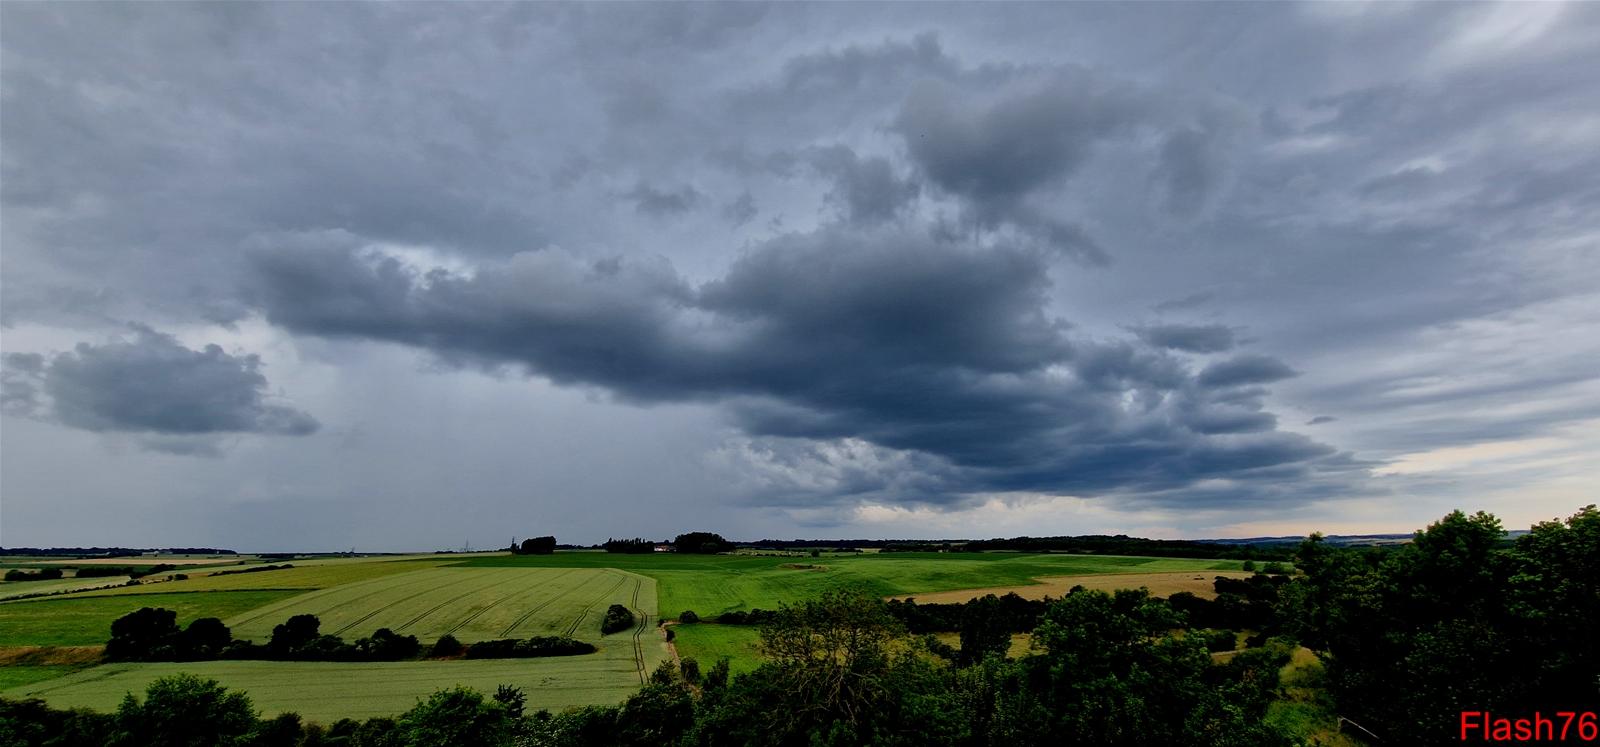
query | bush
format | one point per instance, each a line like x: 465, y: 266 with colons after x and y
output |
x: 43, y: 574
x: 688, y: 616
x: 1217, y: 640
x: 617, y: 618
x: 184, y: 711
x: 447, y: 645
x: 458, y: 716
x: 512, y: 648
x: 146, y: 634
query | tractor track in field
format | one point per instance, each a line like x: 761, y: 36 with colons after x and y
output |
x: 530, y: 613
x: 318, y: 594
x: 638, y: 632
x: 407, y: 598
x: 442, y: 605
x: 573, y: 628
x: 496, y: 603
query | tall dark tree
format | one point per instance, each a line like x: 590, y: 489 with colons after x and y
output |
x: 706, y: 543
x: 536, y: 546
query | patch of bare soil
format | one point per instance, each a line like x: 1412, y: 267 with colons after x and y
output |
x: 1159, y: 584
x: 49, y: 655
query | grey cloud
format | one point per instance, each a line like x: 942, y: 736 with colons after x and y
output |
x: 655, y: 201
x: 1246, y: 369
x: 151, y: 384
x: 1192, y: 338
x: 741, y: 210
x: 1190, y: 169
x: 867, y: 190
x: 995, y: 149
x: 929, y: 353
x: 1320, y: 419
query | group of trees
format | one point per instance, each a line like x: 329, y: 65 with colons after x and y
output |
x: 152, y: 634
x: 1454, y: 621
x: 545, y: 545
x: 42, y: 574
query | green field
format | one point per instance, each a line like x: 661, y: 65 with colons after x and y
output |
x: 326, y: 692
x: 713, y: 584
x: 304, y: 575
x: 85, y: 619
x: 469, y: 603
x: 492, y: 596
x: 707, y: 642
x: 20, y: 589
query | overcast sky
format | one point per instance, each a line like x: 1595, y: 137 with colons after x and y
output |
x: 406, y: 276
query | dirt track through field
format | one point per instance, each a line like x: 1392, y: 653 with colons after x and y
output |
x: 1164, y: 584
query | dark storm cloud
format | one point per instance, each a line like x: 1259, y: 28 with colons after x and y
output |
x: 927, y: 352
x: 151, y: 384
x: 1398, y: 202
x: 1193, y: 338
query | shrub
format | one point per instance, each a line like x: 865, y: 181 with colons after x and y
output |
x: 43, y: 574
x: 183, y: 711
x: 458, y: 716
x: 688, y: 616
x: 617, y: 618
x: 447, y: 645
x: 512, y: 648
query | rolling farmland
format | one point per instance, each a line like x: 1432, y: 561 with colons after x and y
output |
x: 328, y: 691
x: 469, y: 603
x: 495, y: 596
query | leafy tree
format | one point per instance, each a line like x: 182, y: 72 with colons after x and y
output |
x: 688, y: 616
x: 183, y: 711
x: 458, y: 716
x: 618, y: 618
x: 295, y: 634
x: 983, y: 631
x: 205, y: 638
x: 512, y: 698
x: 144, y: 634
x: 536, y: 546
x: 446, y: 646
x: 704, y: 543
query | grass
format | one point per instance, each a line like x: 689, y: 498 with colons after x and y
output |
x: 82, y: 620
x: 468, y: 603
x: 327, y: 691
x: 708, y: 642
x: 19, y: 589
x: 304, y: 575
x: 1305, y: 711
x: 18, y: 675
x: 713, y: 584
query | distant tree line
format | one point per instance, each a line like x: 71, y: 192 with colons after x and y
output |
x: 42, y: 574
x: 635, y: 546
x: 110, y: 552
x: 253, y: 569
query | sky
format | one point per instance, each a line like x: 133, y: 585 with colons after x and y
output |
x: 409, y: 276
